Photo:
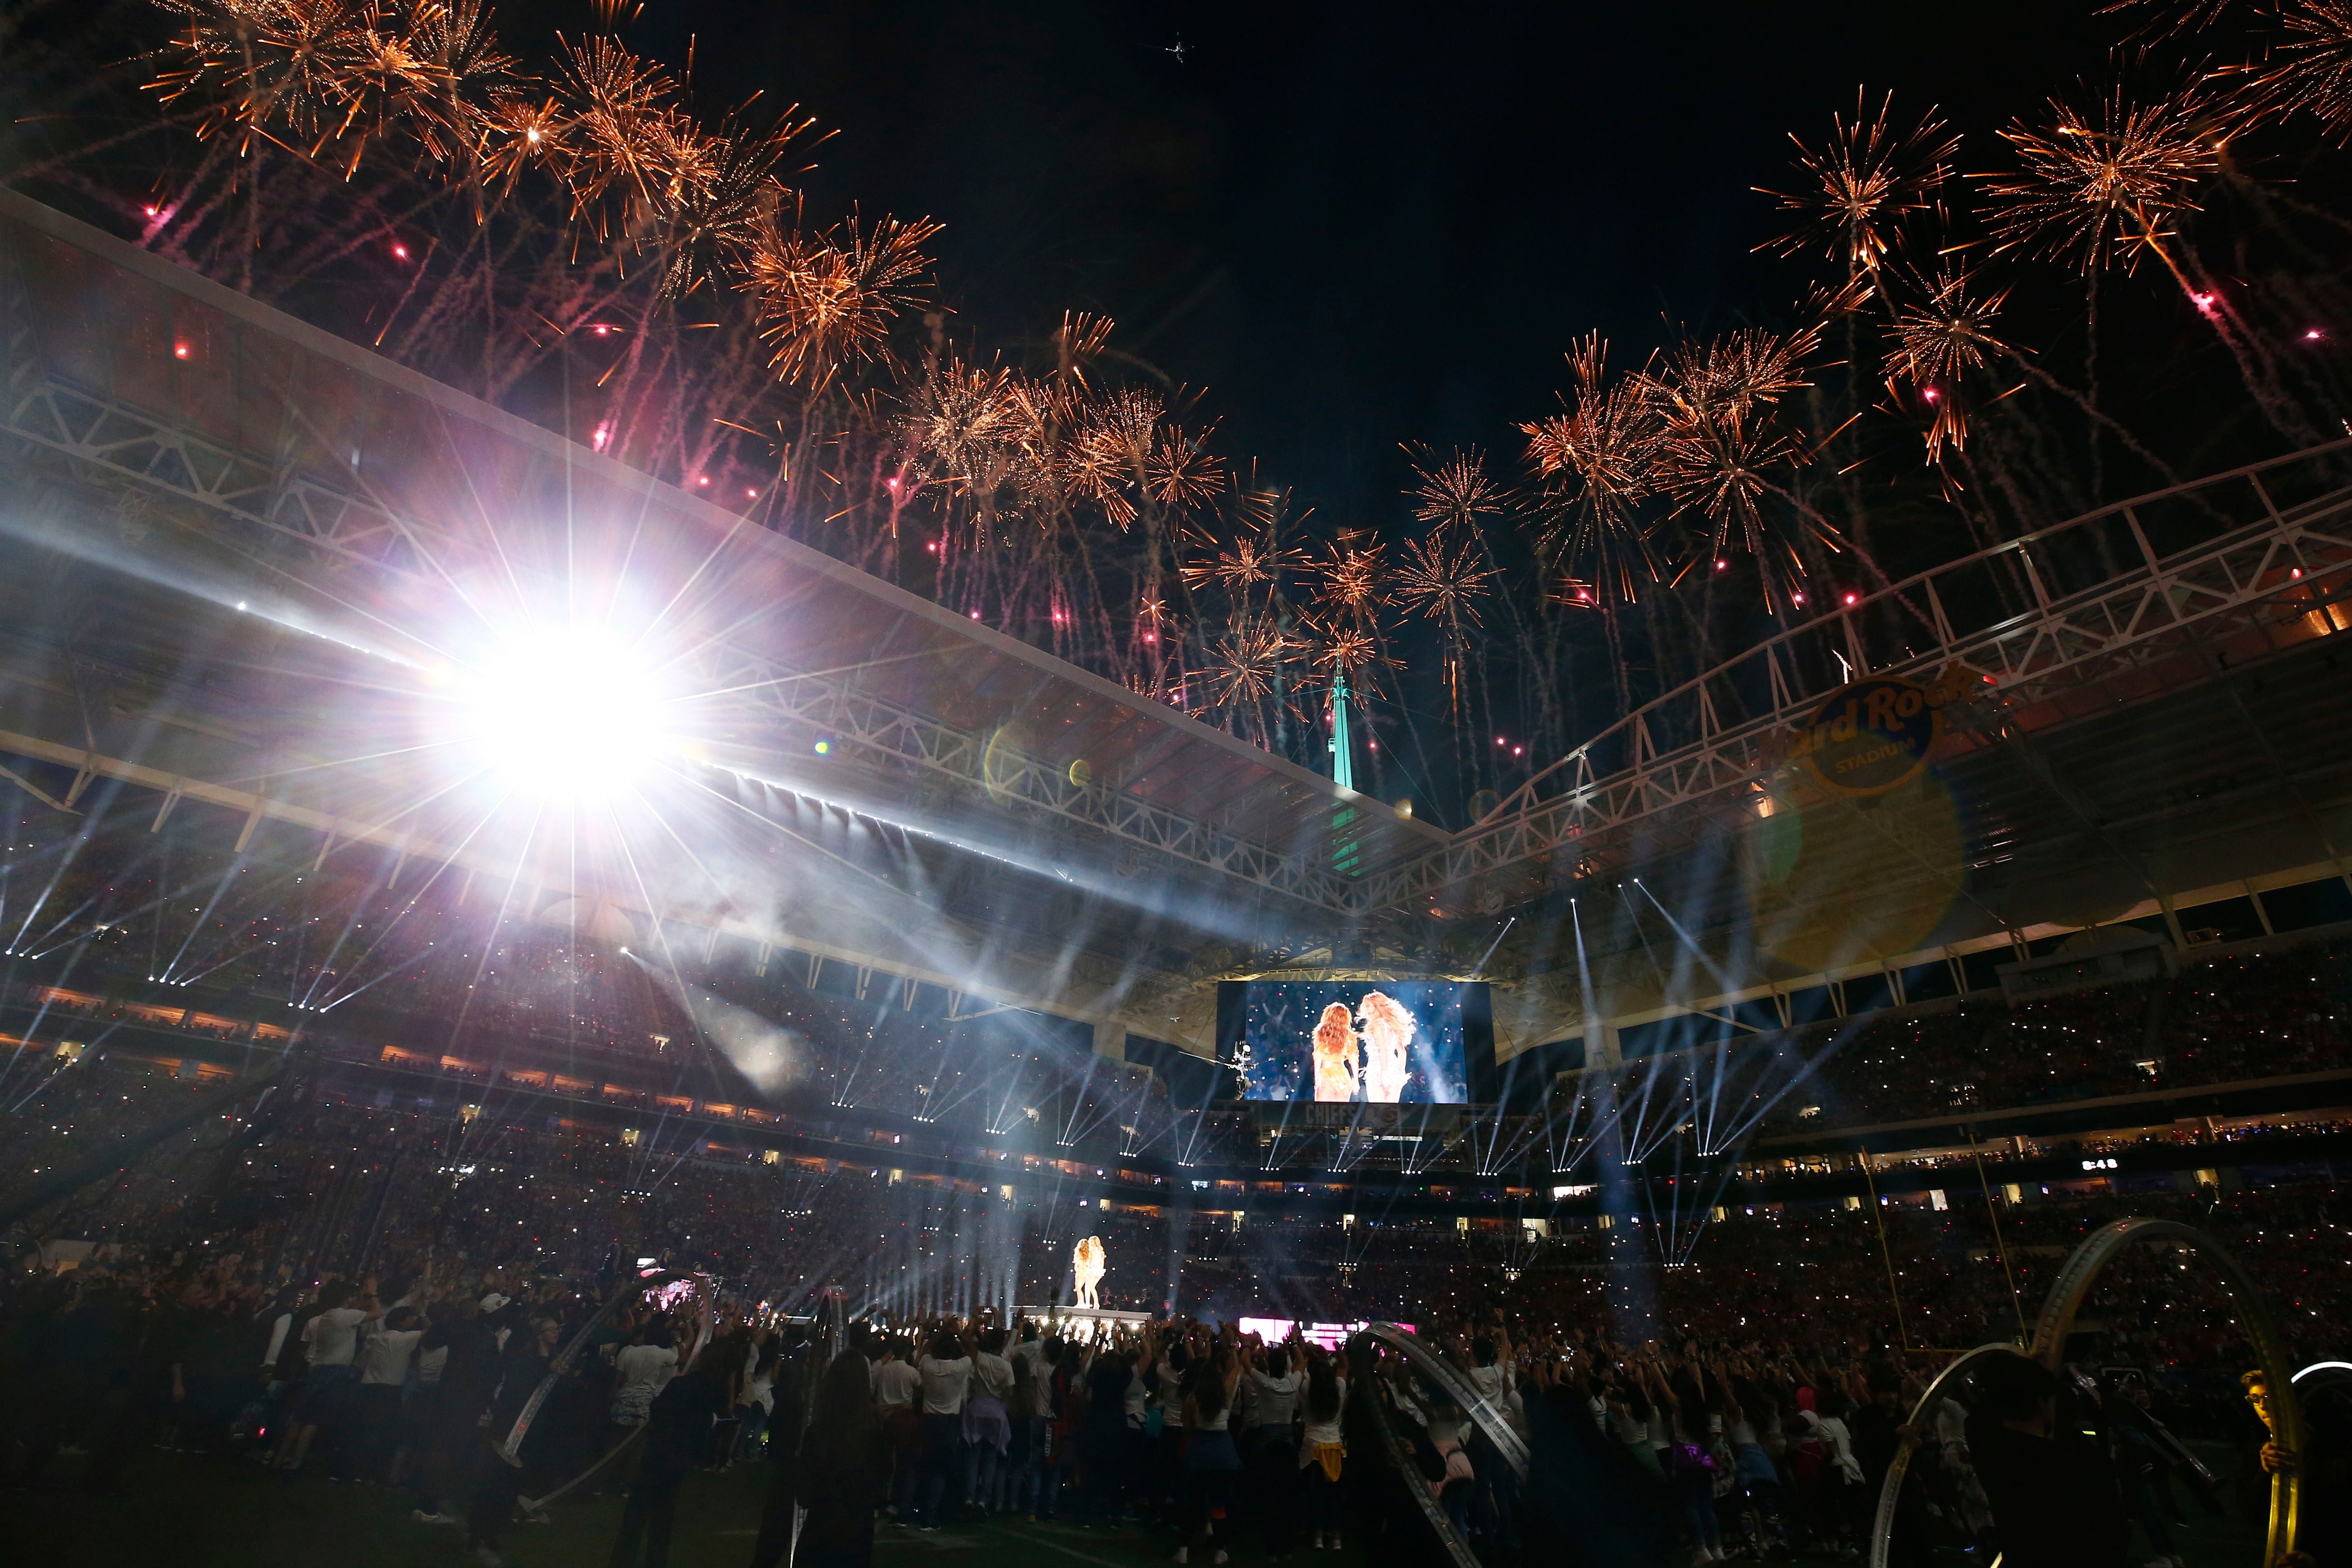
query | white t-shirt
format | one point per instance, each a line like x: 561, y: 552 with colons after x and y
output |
x: 1139, y: 1400
x: 895, y: 1383
x: 1493, y: 1382
x: 430, y: 1362
x: 945, y: 1382
x: 384, y: 1357
x: 1271, y: 1399
x: 639, y: 1374
x: 1205, y: 1392
x: 277, y: 1341
x: 332, y: 1337
x: 994, y: 1375
x: 1029, y: 1351
x: 1319, y: 1432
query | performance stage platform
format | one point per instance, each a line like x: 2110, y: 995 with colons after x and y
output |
x: 1103, y: 1316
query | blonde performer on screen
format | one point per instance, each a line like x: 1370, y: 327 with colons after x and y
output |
x: 1087, y: 1263
x: 1387, y: 1028
x: 1335, y: 1055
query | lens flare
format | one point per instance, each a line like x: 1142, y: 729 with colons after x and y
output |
x: 572, y: 714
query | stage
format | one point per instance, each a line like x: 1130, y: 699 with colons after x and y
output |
x: 1103, y: 1315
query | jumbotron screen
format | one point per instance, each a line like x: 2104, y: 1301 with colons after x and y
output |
x: 1380, y: 1042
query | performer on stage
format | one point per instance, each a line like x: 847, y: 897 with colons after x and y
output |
x: 1087, y: 1262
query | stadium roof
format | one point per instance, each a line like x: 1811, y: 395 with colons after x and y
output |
x: 217, y: 451
x: 273, y: 527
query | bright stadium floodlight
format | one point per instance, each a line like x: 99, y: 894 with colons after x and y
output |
x: 572, y: 713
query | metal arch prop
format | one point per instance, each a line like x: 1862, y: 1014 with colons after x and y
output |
x: 1882, y: 1529
x: 1365, y: 1385
x: 509, y: 1449
x: 1458, y: 1388
x: 2067, y: 1293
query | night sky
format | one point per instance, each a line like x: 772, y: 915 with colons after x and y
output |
x: 1363, y: 224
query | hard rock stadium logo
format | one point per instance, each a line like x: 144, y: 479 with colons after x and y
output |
x: 1878, y: 733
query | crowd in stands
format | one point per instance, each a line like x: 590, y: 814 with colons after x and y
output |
x: 2233, y: 1019
x: 326, y: 1181
x: 451, y: 973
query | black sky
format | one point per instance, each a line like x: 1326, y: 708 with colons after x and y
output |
x: 1363, y: 224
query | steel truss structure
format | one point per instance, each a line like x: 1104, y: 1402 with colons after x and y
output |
x: 279, y: 502
x: 2243, y: 564
x: 1018, y: 779
x: 2118, y: 602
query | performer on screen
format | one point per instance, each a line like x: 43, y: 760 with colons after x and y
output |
x: 1335, y: 1055
x: 1388, y: 1027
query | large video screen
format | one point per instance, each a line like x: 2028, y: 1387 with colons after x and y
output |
x: 1377, y: 1042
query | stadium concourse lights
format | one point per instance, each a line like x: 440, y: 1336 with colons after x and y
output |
x: 572, y: 713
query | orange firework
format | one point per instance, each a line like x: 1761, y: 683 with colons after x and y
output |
x: 2104, y: 183
x: 1732, y: 375
x: 1113, y: 448
x: 1340, y: 650
x: 961, y: 418
x: 1182, y: 472
x: 400, y: 73
x: 1454, y: 492
x: 1862, y: 183
x: 2314, y: 69
x: 1247, y: 664
x: 1940, y: 333
x: 1945, y: 328
x: 1595, y: 463
x: 625, y: 146
x: 1721, y: 465
x: 1077, y: 340
x: 1051, y: 467
x: 1443, y: 577
x: 277, y: 64
x: 1239, y: 564
x: 1348, y: 575
x: 519, y: 131
x: 826, y: 302
x: 1721, y: 435
x: 720, y: 209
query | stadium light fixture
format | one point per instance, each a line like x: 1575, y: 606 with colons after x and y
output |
x: 572, y: 713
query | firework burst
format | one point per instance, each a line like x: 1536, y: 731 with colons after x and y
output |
x: 1859, y: 185
x: 1115, y: 447
x: 1347, y: 575
x: 1594, y: 466
x: 1344, y: 650
x: 1246, y: 666
x: 961, y: 418
x: 826, y: 302
x: 518, y: 132
x: 1454, y: 493
x: 1721, y: 466
x: 1239, y: 564
x: 1180, y: 473
x: 2103, y: 185
x: 2314, y: 69
x: 1944, y: 328
x: 270, y: 66
x: 1443, y: 577
x: 1941, y: 331
x: 624, y: 152
x: 1720, y: 437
